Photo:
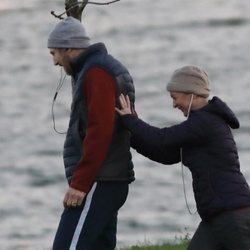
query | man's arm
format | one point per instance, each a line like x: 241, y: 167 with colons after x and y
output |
x: 99, y: 86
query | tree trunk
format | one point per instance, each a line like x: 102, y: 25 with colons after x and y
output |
x: 74, y: 9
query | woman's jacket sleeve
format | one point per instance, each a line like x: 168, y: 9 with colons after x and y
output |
x: 163, y: 144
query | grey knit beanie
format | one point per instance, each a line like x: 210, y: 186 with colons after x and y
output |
x: 68, y: 33
x: 189, y: 79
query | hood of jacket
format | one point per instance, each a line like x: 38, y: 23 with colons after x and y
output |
x: 218, y: 107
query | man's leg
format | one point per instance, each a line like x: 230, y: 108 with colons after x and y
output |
x: 72, y: 220
x: 107, y: 240
x: 102, y: 217
x: 83, y: 227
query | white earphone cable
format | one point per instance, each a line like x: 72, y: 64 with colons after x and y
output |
x: 60, y: 84
x: 182, y: 166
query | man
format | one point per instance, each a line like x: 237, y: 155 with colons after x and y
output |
x: 205, y: 144
x: 96, y: 153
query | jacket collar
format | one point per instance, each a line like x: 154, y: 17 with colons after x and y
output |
x: 77, y: 63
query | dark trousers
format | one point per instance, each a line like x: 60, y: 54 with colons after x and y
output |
x: 228, y: 231
x: 93, y: 225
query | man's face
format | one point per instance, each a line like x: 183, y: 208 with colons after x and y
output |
x: 181, y: 101
x: 61, y: 58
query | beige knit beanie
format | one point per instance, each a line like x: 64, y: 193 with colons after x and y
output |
x: 190, y: 79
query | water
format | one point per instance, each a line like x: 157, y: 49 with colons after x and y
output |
x: 152, y: 38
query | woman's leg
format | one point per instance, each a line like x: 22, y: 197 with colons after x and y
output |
x: 232, y: 229
x: 204, y: 239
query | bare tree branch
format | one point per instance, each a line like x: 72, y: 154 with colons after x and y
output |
x: 74, y: 8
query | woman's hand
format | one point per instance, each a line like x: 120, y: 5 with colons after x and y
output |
x: 125, y: 105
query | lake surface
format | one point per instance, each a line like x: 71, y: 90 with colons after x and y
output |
x: 152, y: 38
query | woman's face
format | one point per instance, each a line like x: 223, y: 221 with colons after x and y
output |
x: 181, y: 101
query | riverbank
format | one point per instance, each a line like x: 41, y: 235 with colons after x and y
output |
x: 168, y: 246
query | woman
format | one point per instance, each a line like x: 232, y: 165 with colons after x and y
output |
x: 204, y: 143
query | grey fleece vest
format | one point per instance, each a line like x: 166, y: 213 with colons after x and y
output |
x: 118, y: 164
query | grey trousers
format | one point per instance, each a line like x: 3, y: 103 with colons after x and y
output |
x: 228, y: 231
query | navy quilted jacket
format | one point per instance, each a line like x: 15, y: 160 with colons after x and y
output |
x: 209, y: 151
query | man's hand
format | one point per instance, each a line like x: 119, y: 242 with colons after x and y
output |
x: 73, y: 198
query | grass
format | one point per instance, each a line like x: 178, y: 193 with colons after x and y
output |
x: 167, y: 246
